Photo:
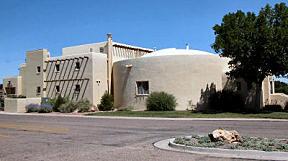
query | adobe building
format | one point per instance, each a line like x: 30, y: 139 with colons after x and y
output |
x: 128, y: 72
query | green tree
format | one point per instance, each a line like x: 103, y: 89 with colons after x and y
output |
x: 106, y: 103
x: 257, y: 45
x: 281, y: 87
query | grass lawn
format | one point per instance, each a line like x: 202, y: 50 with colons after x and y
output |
x: 187, y: 114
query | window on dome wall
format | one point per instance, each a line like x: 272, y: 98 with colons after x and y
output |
x: 142, y: 87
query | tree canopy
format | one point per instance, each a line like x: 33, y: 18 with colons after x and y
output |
x: 281, y: 87
x: 256, y: 44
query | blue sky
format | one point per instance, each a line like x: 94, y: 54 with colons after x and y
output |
x: 54, y: 24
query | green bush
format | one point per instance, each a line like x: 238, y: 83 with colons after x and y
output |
x: 273, y: 108
x: 45, y: 108
x: 64, y: 105
x: 107, y: 103
x: 56, y: 103
x: 16, y: 96
x: 286, y: 107
x: 1, y: 103
x: 83, y: 105
x: 281, y: 87
x: 161, y: 101
x: 32, y: 108
x: 226, y: 101
x: 68, y: 107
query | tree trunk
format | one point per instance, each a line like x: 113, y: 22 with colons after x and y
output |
x: 258, y: 96
x: 253, y: 97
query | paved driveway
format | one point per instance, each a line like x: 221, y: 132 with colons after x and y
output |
x: 40, y: 138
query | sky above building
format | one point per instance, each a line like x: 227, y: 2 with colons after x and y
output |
x: 54, y: 24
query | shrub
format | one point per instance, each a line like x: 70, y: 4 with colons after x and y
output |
x: 106, y: 102
x: 161, y: 101
x: 32, y: 108
x: 56, y: 103
x: 50, y: 101
x: 226, y: 101
x: 45, y: 108
x: 1, y: 103
x: 83, y: 105
x: 273, y: 108
x: 21, y: 96
x: 16, y: 96
x: 68, y: 107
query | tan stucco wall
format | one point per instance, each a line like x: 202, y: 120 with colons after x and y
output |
x: 93, y: 69
x: 279, y: 99
x: 15, y: 105
x: 22, y: 73
x: 99, y: 77
x: 266, y: 90
x: 32, y: 78
x: 84, y: 49
x: 183, y: 76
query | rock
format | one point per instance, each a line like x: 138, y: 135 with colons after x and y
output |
x: 225, y: 136
x: 187, y: 137
x: 94, y: 109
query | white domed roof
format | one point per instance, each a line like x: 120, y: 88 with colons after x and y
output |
x: 174, y: 51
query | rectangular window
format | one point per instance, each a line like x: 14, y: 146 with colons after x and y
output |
x: 57, y: 67
x: 38, y: 90
x: 77, y: 66
x: 142, y: 87
x: 77, y: 88
x: 101, y: 50
x: 38, y: 69
x: 271, y: 87
x: 57, y: 89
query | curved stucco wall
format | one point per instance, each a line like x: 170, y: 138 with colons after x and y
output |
x: 181, y: 75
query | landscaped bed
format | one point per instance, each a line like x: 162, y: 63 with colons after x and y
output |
x: 189, y: 114
x: 248, y: 143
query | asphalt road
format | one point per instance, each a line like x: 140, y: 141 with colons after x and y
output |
x: 39, y: 138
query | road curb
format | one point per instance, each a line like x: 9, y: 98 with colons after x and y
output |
x: 143, y: 118
x: 169, y: 145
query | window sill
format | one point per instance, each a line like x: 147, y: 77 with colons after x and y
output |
x: 142, y: 95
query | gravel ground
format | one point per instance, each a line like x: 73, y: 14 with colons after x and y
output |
x: 38, y: 138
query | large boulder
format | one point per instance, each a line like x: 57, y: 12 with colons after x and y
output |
x: 225, y: 136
